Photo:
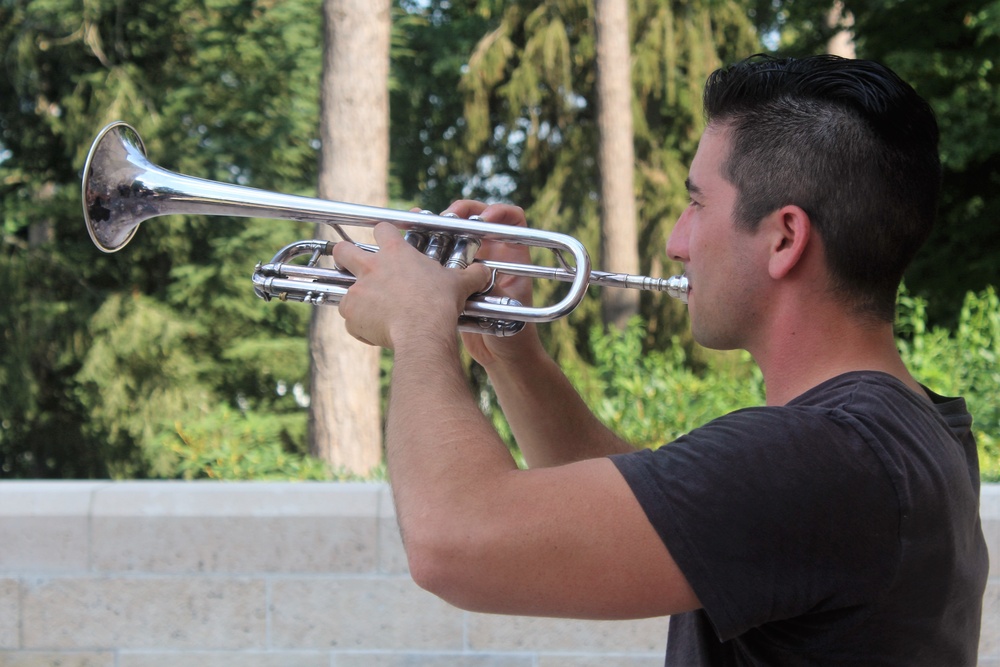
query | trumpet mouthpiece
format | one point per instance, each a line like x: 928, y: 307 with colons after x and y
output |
x: 677, y: 287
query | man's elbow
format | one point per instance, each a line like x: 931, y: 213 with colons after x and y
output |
x: 445, y: 566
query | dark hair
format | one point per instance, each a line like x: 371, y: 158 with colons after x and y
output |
x: 849, y: 142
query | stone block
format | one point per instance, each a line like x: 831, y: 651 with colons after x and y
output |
x: 403, y: 659
x: 10, y: 614
x: 600, y: 661
x: 225, y: 659
x: 515, y: 633
x: 989, y: 513
x: 361, y: 613
x: 43, y: 526
x: 57, y: 659
x: 236, y: 528
x: 391, y: 555
x: 989, y: 636
x: 151, y: 574
x: 238, y: 544
x: 205, y: 613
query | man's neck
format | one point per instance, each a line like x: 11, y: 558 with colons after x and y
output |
x: 801, y: 353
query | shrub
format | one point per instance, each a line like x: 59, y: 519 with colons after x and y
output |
x: 649, y: 397
x: 960, y: 363
x: 231, y: 445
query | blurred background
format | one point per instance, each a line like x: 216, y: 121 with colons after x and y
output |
x: 159, y: 362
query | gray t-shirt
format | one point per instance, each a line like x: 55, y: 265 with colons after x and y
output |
x: 840, y: 529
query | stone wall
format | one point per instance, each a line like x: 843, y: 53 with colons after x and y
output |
x: 158, y: 574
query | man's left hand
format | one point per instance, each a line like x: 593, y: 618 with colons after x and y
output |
x: 400, y: 294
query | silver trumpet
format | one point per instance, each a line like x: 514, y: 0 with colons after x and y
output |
x: 122, y: 188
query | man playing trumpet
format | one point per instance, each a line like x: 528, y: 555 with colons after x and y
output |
x: 837, y: 524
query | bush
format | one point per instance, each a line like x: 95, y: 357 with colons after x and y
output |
x: 960, y: 363
x: 227, y: 444
x: 649, y: 397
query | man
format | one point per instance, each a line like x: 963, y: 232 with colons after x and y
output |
x: 838, y: 524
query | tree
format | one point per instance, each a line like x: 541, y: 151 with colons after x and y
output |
x: 616, y: 157
x: 106, y: 358
x: 954, y: 66
x: 947, y: 50
x: 432, y: 40
x: 531, y: 132
x: 344, y: 422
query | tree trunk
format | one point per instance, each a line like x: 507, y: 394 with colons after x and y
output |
x: 345, y: 425
x: 616, y: 158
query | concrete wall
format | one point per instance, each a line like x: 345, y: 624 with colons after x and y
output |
x: 157, y: 574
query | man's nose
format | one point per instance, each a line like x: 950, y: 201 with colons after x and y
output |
x: 677, y: 246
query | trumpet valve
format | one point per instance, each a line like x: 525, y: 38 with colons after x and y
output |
x: 462, y: 252
x: 416, y: 239
x: 438, y: 246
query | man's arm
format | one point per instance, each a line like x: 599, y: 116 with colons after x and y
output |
x: 550, y: 422
x: 568, y: 540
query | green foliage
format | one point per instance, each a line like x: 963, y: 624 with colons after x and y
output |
x: 104, y: 353
x: 138, y: 371
x: 531, y: 131
x: 946, y: 49
x: 649, y: 397
x: 432, y: 40
x: 964, y: 362
x: 42, y: 337
x: 227, y: 445
x: 955, y: 67
x: 158, y: 361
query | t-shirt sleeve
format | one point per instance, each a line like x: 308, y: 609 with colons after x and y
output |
x: 770, y: 514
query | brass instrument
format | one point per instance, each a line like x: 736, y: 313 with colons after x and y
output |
x: 122, y: 188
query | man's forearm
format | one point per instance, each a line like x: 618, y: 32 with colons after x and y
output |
x: 550, y: 421
x: 439, y: 445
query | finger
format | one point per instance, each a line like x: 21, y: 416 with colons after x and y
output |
x: 357, y: 335
x: 349, y: 257
x: 510, y: 215
x: 353, y: 322
x: 505, y: 214
x: 386, y: 235
x: 466, y: 208
x: 476, y: 278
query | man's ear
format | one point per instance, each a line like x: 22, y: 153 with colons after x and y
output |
x: 790, y: 230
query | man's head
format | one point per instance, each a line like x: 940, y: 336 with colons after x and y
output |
x: 848, y: 142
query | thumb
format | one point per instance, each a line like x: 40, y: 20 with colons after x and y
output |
x: 476, y: 278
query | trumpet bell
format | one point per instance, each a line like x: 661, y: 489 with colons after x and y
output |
x: 114, y: 198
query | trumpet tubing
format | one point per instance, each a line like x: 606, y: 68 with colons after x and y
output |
x: 122, y: 189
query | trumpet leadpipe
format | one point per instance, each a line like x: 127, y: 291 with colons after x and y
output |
x: 674, y: 286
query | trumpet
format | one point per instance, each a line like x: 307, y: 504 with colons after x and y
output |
x: 122, y: 189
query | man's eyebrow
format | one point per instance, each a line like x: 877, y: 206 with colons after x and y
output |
x: 691, y: 187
